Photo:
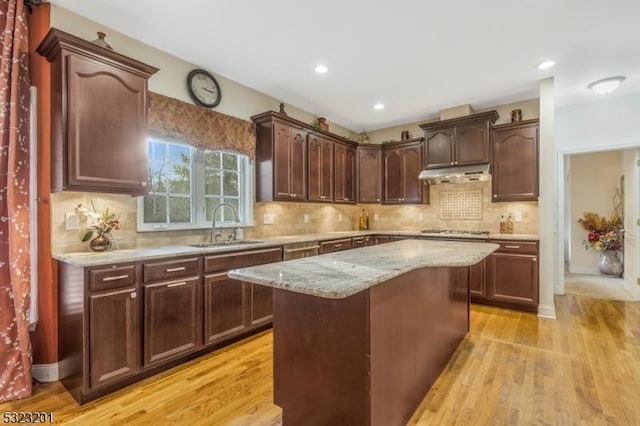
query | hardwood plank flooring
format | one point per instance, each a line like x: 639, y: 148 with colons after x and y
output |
x: 513, y: 368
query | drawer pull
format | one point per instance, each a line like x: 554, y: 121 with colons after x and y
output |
x: 513, y: 247
x: 114, y: 293
x: 535, y: 259
x: 115, y: 278
x: 133, y: 295
x: 181, y: 283
x: 359, y: 242
x: 181, y: 268
x: 337, y: 245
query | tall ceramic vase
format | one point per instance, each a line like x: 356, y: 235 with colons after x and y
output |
x: 609, y: 264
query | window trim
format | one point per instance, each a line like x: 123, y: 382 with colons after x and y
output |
x: 198, y: 206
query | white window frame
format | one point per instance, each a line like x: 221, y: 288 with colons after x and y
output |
x: 198, y: 205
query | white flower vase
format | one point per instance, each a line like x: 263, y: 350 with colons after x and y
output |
x: 609, y: 264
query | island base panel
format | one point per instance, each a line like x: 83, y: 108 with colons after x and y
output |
x: 368, y: 359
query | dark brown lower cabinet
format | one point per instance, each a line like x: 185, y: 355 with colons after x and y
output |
x: 224, y: 308
x: 478, y: 278
x: 171, y: 320
x: 113, y: 336
x: 511, y: 277
x: 261, y: 304
x: 381, y: 239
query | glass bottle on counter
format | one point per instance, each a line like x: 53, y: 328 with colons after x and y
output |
x: 503, y: 225
x: 362, y: 221
x: 509, y: 224
x: 366, y: 221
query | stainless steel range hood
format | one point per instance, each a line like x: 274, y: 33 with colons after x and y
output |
x: 460, y: 174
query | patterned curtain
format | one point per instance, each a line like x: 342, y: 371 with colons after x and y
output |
x: 15, y: 273
x: 200, y: 127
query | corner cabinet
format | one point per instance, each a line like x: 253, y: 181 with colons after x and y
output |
x: 459, y: 141
x: 515, y: 161
x: 99, y: 117
x: 402, y: 163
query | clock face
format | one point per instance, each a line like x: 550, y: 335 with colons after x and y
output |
x: 203, y: 88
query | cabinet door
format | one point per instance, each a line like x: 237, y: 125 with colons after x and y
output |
x: 381, y: 239
x: 171, y: 320
x: 393, y: 176
x: 411, y: 167
x: 513, y: 279
x: 282, y: 161
x: 261, y: 305
x: 478, y: 279
x: 113, y: 337
x: 369, y: 168
x: 439, y: 146
x: 345, y: 167
x: 321, y: 168
x: 515, y: 164
x: 106, y: 128
x: 225, y: 304
x: 298, y: 165
x: 472, y: 143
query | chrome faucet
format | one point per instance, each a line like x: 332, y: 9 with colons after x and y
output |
x: 214, y: 234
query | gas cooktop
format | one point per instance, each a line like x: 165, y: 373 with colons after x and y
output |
x: 455, y: 232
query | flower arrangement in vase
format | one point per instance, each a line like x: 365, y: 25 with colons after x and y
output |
x: 605, y: 236
x: 99, y: 223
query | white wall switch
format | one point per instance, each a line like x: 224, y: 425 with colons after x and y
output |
x: 71, y: 222
x: 420, y: 217
x: 306, y: 218
x: 376, y: 216
x: 517, y: 217
x: 267, y: 219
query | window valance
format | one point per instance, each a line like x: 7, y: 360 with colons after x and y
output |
x: 198, y: 126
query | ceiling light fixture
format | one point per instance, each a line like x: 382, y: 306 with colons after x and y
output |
x: 378, y: 106
x: 606, y: 85
x: 321, y: 69
x: 546, y: 65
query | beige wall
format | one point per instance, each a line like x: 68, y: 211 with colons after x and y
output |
x: 530, y: 109
x: 594, y: 179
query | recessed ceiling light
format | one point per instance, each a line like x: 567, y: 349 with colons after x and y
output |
x: 378, y: 106
x: 321, y: 69
x: 546, y: 65
x: 606, y: 85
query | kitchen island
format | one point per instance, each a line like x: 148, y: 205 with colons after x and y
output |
x: 361, y: 335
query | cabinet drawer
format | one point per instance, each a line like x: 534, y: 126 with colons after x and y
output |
x: 335, y: 245
x: 515, y: 246
x: 109, y: 277
x: 227, y: 261
x: 170, y: 269
x: 357, y: 242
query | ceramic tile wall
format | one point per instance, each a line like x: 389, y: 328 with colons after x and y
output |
x: 289, y: 218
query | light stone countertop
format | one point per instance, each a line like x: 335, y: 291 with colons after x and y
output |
x: 88, y: 258
x: 342, y: 274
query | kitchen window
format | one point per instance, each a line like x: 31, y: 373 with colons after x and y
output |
x: 187, y: 183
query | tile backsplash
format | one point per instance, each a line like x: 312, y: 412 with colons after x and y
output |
x: 306, y: 218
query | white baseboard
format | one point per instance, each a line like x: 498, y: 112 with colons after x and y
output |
x: 547, y: 311
x: 45, y: 372
x: 580, y: 270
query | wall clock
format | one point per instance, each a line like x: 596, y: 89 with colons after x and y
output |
x: 203, y: 88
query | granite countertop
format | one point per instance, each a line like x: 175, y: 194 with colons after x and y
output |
x: 87, y: 259
x: 342, y: 274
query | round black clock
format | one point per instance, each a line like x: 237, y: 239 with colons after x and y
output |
x: 203, y: 88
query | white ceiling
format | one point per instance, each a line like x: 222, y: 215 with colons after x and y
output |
x: 415, y: 56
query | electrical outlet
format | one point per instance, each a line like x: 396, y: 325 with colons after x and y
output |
x: 376, y: 216
x: 517, y: 217
x: 306, y: 218
x: 267, y: 219
x: 420, y: 217
x: 71, y: 222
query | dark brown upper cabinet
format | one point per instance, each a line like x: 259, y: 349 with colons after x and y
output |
x: 99, y: 117
x: 402, y: 162
x: 345, y: 173
x: 458, y: 141
x: 515, y: 161
x: 281, y: 159
x: 369, y: 173
x: 321, y: 168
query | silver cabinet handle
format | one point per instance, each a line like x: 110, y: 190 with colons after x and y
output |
x: 359, y: 242
x: 495, y: 195
x: 114, y: 293
x: 337, y: 245
x: 115, y: 278
x: 133, y: 295
x: 513, y: 247
x: 322, y: 197
x: 301, y: 249
x: 181, y: 268
x: 452, y: 163
x: 181, y: 283
x: 535, y: 259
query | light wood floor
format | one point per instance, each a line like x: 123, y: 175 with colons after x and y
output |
x: 512, y: 369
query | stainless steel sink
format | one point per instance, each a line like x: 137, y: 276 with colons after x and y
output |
x: 226, y: 243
